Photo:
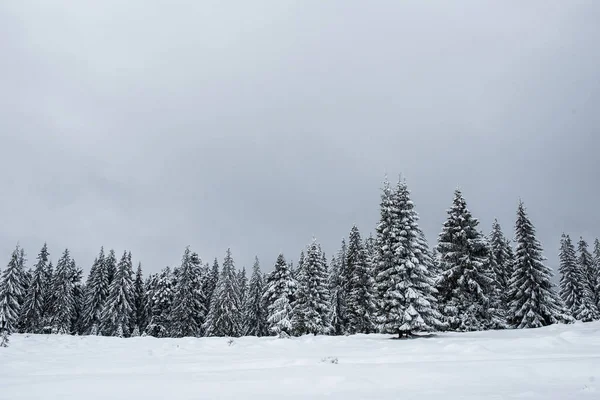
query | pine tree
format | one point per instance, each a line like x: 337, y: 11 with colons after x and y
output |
x: 111, y: 265
x: 116, y: 315
x: 571, y: 281
x: 188, y: 303
x: 64, y: 300
x: 160, y: 298
x: 96, y: 294
x: 77, y: 324
x: 501, y: 261
x: 224, y: 317
x: 139, y: 302
x: 360, y: 283
x: 311, y: 310
x: 242, y: 284
x: 210, y: 283
x: 255, y: 313
x: 585, y: 261
x: 466, y: 284
x: 338, y: 287
x: 534, y: 302
x: 49, y: 298
x: 11, y: 293
x: 404, y: 280
x: 277, y: 298
x: 33, y: 309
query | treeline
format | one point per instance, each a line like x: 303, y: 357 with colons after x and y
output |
x: 391, y: 283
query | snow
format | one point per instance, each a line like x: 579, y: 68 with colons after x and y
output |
x: 555, y: 362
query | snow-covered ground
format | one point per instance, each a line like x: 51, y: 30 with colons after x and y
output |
x: 557, y: 362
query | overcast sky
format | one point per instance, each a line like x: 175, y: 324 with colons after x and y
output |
x: 149, y: 126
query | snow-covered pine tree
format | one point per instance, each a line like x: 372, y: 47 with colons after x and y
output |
x: 48, y: 299
x: 405, y: 281
x: 32, y: 312
x: 360, y: 302
x: 224, y: 316
x: 571, y: 280
x: 210, y: 283
x: 96, y: 294
x: 255, y: 312
x: 77, y: 324
x: 116, y: 315
x: 11, y: 292
x: 242, y: 282
x: 111, y: 265
x: 160, y: 291
x: 188, y: 311
x: 534, y: 302
x: 466, y: 284
x: 64, y: 300
x: 280, y: 287
x: 586, y: 265
x: 139, y: 316
x: 338, y: 287
x: 501, y: 262
x: 311, y: 310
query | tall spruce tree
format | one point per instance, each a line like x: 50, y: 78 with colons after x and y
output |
x: 589, y: 279
x: 360, y: 302
x: 160, y: 291
x: 571, y: 280
x: 110, y: 265
x: 597, y: 269
x: 188, y: 303
x: 311, y: 309
x: 33, y: 309
x: 64, y: 296
x: 49, y: 298
x: 77, y: 324
x: 466, y: 284
x: 139, y: 302
x: 224, y: 316
x: 501, y: 261
x: 96, y: 294
x: 116, y: 315
x: 280, y: 288
x: 404, y: 278
x: 338, y: 287
x: 12, y: 291
x: 255, y: 312
x: 534, y: 302
x: 210, y: 283
x: 242, y: 282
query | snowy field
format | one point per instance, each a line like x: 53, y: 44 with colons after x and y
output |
x: 557, y: 362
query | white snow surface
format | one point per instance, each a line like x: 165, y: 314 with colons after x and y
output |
x: 556, y: 362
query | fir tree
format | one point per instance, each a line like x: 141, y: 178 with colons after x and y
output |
x: 277, y: 298
x: 77, y: 324
x: 11, y: 293
x: 224, y: 317
x: 210, y: 283
x: 585, y: 261
x: 48, y: 299
x: 311, y: 310
x: 404, y: 279
x: 116, y: 315
x: 188, y: 302
x: 500, y: 259
x: 255, y: 313
x: 338, y: 287
x: 242, y: 280
x: 466, y: 284
x: 110, y: 265
x: 571, y: 282
x: 534, y: 302
x: 33, y: 309
x: 160, y: 298
x: 360, y: 302
x: 139, y: 302
x: 64, y: 300
x: 96, y: 294
x: 597, y: 269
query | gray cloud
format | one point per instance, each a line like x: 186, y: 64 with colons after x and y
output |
x: 153, y: 125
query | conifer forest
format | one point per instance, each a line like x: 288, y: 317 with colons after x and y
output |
x: 390, y: 281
